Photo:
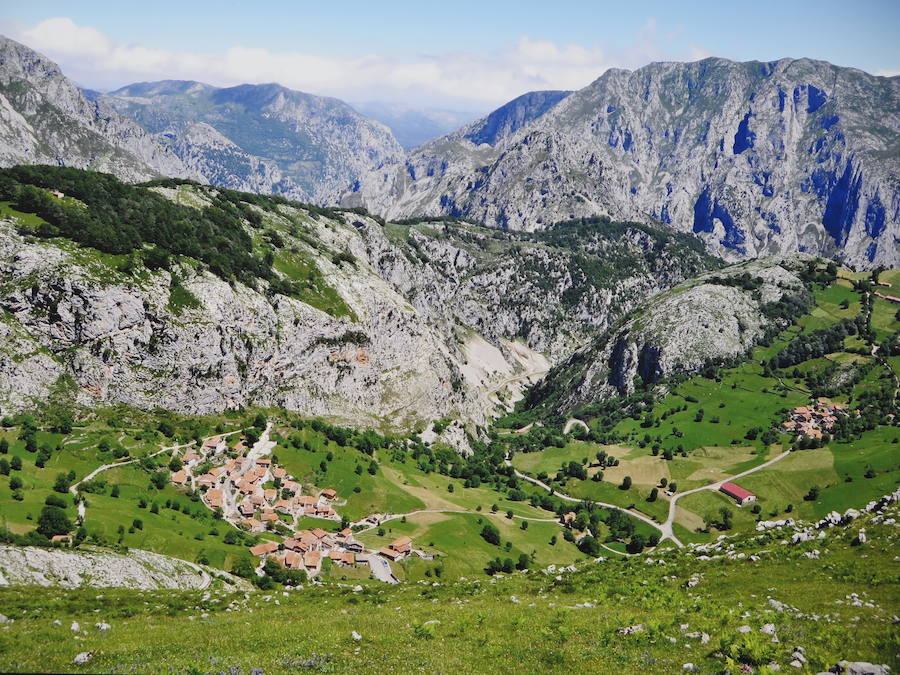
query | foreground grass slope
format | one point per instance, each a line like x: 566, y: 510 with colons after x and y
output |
x: 833, y: 599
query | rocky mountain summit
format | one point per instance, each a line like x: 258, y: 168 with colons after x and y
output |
x: 45, y: 119
x: 259, y: 138
x: 755, y: 158
x: 262, y: 138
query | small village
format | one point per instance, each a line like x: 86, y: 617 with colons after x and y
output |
x: 813, y: 421
x: 255, y: 495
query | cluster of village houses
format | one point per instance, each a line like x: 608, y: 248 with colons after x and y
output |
x: 238, y: 488
x: 308, y: 548
x: 252, y: 492
x: 813, y: 421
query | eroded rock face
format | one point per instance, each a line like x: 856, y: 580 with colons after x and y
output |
x: 45, y: 119
x: 440, y: 320
x: 699, y: 322
x: 755, y: 158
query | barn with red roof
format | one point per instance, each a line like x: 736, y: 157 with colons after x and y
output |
x: 741, y: 495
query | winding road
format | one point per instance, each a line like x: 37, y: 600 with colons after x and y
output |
x: 74, y: 488
x: 665, y: 529
x: 573, y: 422
x: 713, y: 486
x: 640, y: 516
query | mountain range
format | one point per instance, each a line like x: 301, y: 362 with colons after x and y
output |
x: 262, y: 138
x: 755, y: 158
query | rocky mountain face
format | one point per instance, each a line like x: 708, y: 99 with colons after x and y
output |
x: 707, y: 320
x: 755, y: 158
x: 45, y: 119
x: 262, y: 138
x: 388, y: 325
x: 511, y: 117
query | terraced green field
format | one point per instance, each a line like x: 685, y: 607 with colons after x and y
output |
x: 455, y: 541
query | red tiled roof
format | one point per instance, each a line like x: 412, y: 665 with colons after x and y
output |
x: 265, y: 547
x: 736, y: 491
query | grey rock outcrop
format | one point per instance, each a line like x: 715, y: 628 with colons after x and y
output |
x: 703, y: 321
x: 439, y: 320
x: 755, y: 158
x: 29, y: 565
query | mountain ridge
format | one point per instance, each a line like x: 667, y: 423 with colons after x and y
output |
x: 756, y: 158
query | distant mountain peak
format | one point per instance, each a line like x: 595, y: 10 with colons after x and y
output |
x: 512, y: 116
x: 56, y: 123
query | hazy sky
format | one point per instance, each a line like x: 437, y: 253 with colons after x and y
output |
x: 464, y: 54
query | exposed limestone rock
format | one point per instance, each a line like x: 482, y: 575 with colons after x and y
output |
x: 443, y: 322
x: 45, y: 119
x: 699, y: 322
x: 28, y: 565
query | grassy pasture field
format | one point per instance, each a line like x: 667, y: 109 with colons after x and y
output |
x: 455, y: 541
x: 490, y: 626
x: 712, y: 431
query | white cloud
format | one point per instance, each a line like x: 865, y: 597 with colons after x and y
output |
x: 696, y: 53
x: 889, y: 73
x: 449, y: 79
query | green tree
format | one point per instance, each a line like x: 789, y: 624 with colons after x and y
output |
x: 490, y: 534
x: 15, y: 463
x: 654, y: 493
x: 243, y: 567
x: 62, y: 483
x: 53, y: 500
x: 626, y: 483
x: 53, y: 521
x: 589, y: 546
x: 636, y: 544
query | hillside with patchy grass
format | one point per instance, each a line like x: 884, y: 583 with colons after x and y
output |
x: 683, y: 433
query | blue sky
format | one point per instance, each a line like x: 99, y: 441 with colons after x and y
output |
x: 461, y: 54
